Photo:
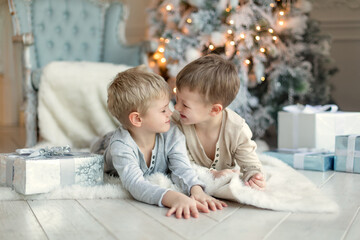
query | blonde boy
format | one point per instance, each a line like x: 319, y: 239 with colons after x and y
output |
x: 216, y: 137
x: 147, y: 143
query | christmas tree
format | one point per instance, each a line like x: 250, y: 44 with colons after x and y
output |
x: 281, y: 56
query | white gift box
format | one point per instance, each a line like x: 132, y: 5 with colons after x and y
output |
x: 44, y: 174
x: 6, y: 168
x: 315, y: 130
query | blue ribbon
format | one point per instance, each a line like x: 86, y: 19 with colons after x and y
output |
x: 45, y: 152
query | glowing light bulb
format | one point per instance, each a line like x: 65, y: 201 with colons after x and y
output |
x: 211, y: 47
x: 231, y: 22
x: 163, y: 60
x: 161, y: 39
x: 232, y: 43
x: 167, y: 40
x: 271, y: 30
x: 247, y: 61
x: 161, y: 49
x: 157, y: 56
x: 281, y: 23
x: 229, y: 31
x: 168, y: 7
x: 257, y: 38
x: 258, y: 28
x: 227, y: 9
x: 262, y: 78
x: 274, y: 38
x: 281, y: 13
x: 262, y: 50
x: 242, y: 35
x: 189, y: 20
x: 272, y: 5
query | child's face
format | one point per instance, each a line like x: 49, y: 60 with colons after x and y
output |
x: 191, y: 106
x: 157, y: 117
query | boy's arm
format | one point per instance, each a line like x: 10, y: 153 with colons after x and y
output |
x: 126, y: 164
x: 182, y: 174
x: 245, y: 154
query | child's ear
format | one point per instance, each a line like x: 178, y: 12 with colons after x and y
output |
x: 216, y: 109
x: 135, y: 119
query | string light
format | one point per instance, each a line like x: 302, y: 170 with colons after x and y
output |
x: 242, y: 35
x: 227, y: 9
x: 161, y: 49
x: 258, y: 28
x: 232, y: 43
x: 168, y: 7
x: 189, y: 20
x: 247, y: 61
x: 271, y: 30
x: 281, y: 23
x: 161, y: 39
x: 262, y: 50
x: 167, y: 40
x: 163, y: 60
x: 229, y: 31
x: 274, y: 38
x: 231, y: 22
x: 272, y: 5
x: 257, y: 38
x: 262, y: 78
x: 157, y: 56
x: 211, y: 47
x: 281, y: 13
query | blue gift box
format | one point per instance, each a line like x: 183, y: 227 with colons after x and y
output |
x: 304, y: 159
x: 347, y: 153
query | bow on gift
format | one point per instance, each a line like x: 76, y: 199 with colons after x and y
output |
x: 45, y: 152
x: 299, y: 108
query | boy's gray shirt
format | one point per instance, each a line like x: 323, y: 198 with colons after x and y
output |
x: 169, y: 156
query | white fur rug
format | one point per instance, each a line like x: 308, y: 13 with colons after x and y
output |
x: 287, y: 190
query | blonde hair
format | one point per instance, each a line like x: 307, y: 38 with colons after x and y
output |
x: 213, y: 77
x: 132, y: 91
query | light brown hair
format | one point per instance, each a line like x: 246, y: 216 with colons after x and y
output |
x: 132, y: 91
x: 213, y: 77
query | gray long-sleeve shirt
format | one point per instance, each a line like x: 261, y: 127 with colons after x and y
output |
x: 168, y: 156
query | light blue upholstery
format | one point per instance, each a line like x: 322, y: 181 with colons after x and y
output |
x: 68, y: 30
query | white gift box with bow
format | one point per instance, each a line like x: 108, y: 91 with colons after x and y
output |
x: 314, y: 126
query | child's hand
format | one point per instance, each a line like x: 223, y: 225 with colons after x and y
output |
x: 199, y: 195
x: 257, y: 181
x: 224, y: 172
x: 182, y: 205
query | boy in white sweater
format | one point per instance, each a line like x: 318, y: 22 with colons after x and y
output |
x: 216, y: 137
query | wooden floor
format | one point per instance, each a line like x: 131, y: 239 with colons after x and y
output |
x: 127, y: 219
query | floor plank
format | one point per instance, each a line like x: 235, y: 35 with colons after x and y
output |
x: 123, y: 219
x: 17, y: 221
x: 344, y: 189
x: 67, y: 219
x: 353, y: 232
x: 246, y: 223
x: 192, y: 228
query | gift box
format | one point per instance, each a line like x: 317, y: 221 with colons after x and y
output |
x: 6, y: 168
x: 44, y: 173
x: 311, y: 129
x: 347, y: 153
x: 304, y: 159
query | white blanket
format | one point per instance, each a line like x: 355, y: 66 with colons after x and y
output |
x: 72, y: 102
x: 287, y: 189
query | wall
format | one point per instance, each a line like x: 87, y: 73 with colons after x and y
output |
x: 10, y: 64
x: 341, y: 19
